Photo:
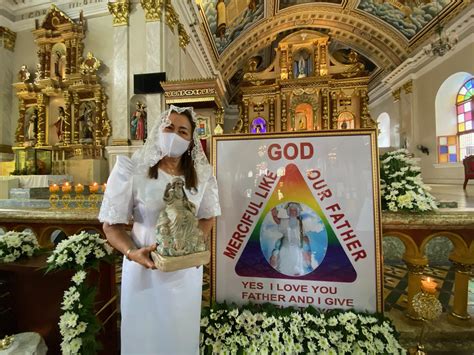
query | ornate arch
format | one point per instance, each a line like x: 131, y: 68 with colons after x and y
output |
x: 412, y: 252
x: 381, y: 44
x: 460, y: 250
x: 302, y: 99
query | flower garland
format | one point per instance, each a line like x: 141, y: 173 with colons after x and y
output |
x: 14, y: 245
x: 401, y: 186
x: 267, y: 329
x: 78, y: 324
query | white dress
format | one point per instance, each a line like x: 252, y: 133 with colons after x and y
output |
x: 291, y: 254
x: 160, y: 310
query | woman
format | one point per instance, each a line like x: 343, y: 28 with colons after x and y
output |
x: 160, y: 311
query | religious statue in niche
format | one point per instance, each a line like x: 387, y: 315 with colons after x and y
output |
x: 177, y: 231
x: 60, y: 124
x: 138, y: 122
x: 301, y: 67
x: 59, y: 64
x: 259, y: 125
x: 86, y: 123
x: 301, y: 121
x: 32, y: 126
x: 23, y: 74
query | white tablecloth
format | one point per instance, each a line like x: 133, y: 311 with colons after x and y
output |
x: 26, y: 344
x: 39, y: 180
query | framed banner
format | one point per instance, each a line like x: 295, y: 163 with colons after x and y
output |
x: 300, y: 221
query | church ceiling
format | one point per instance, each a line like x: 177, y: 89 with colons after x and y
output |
x: 385, y: 32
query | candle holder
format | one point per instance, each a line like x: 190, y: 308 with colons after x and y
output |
x: 53, y: 196
x: 428, y: 308
x: 93, y: 198
x: 79, y: 189
x: 66, y: 197
x: 6, y: 342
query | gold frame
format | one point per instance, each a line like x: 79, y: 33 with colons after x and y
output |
x: 372, y: 133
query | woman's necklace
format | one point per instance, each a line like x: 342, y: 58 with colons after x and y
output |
x: 170, y: 167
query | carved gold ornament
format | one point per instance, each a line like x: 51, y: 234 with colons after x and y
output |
x: 153, y: 9
x: 119, y: 10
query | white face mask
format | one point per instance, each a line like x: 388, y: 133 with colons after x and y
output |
x: 173, y: 145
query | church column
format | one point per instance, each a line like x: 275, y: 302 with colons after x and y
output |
x: 290, y: 62
x: 120, y: 88
x: 246, y: 116
x: 7, y: 45
x: 333, y: 110
x: 407, y: 114
x: 316, y: 58
x: 396, y: 99
x: 47, y: 60
x: 68, y: 57
x: 67, y: 111
x: 364, y: 108
x: 42, y: 102
x: 75, y: 129
x: 325, y: 113
x: 20, y: 128
x: 284, y: 118
x: 271, y: 123
x: 154, y: 51
x: 98, y: 112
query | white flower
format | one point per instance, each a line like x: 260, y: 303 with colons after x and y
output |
x: 79, y: 277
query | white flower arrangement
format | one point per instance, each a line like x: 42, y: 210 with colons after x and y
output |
x: 401, y: 186
x: 78, y: 324
x: 266, y: 329
x: 79, y: 251
x: 14, y: 245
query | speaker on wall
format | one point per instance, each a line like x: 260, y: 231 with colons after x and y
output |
x: 149, y: 83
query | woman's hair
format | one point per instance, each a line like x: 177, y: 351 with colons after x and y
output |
x: 186, y: 163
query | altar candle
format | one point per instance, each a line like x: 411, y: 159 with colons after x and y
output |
x: 104, y: 187
x: 79, y: 188
x: 66, y: 188
x: 429, y: 285
x: 94, y: 188
x: 53, y: 188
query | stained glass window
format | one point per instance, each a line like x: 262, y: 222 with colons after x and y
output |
x: 465, y: 119
x: 447, y: 149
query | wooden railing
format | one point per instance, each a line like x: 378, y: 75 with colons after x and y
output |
x: 414, y: 230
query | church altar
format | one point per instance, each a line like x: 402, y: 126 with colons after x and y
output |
x: 29, y: 181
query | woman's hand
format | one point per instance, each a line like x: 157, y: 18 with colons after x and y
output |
x: 142, y: 256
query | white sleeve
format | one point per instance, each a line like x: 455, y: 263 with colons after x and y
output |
x: 210, y: 206
x: 117, y: 204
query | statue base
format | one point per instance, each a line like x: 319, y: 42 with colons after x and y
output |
x: 174, y: 263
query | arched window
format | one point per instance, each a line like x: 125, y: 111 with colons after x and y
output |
x: 457, y: 142
x: 465, y: 112
x: 383, y: 123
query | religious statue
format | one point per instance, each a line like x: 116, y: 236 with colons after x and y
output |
x: 38, y: 73
x: 60, y: 124
x: 177, y: 231
x: 33, y: 125
x: 86, y: 123
x: 301, y: 67
x: 300, y: 121
x: 138, y: 122
x: 59, y: 64
x: 23, y: 74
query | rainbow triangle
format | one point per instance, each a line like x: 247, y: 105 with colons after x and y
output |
x: 333, y: 264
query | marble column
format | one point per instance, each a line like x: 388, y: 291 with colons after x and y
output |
x: 120, y: 88
x: 7, y: 44
x: 154, y: 64
x: 407, y: 115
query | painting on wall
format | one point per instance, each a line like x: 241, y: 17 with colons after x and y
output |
x: 283, y: 4
x: 228, y: 19
x: 407, y: 18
